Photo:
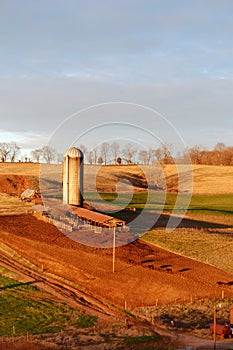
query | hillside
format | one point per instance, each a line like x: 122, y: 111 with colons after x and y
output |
x: 206, y: 179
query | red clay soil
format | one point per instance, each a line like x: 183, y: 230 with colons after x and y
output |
x: 13, y: 184
x: 22, y: 346
x: 143, y: 273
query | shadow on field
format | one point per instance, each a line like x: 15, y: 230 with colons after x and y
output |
x: 20, y: 284
x: 162, y: 221
x: 219, y: 211
x: 187, y: 223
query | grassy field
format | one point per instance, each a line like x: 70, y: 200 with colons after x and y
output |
x: 10, y: 204
x: 25, y: 309
x: 205, y: 204
x: 212, y: 246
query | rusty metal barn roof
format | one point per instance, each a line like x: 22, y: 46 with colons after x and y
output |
x: 99, y: 218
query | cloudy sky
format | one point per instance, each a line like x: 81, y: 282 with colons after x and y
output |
x: 61, y: 57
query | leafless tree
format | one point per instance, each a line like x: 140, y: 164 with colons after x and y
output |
x: 220, y: 146
x: 115, y: 150
x: 15, y: 151
x: 159, y: 154
x: 37, y: 154
x: 104, y: 151
x: 95, y: 155
x: 195, y: 154
x: 100, y: 160
x: 60, y: 157
x: 90, y: 157
x: 9, y: 150
x: 163, y: 154
x: 83, y: 149
x: 129, y: 151
x: 143, y: 156
x: 5, y: 149
x: 167, y: 157
x: 146, y: 156
x: 49, y: 154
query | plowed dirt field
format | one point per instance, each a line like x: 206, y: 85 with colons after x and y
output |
x: 143, y: 273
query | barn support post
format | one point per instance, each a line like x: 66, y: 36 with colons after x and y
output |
x: 215, y: 323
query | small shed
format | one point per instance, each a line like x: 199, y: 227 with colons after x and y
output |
x: 40, y: 209
x: 28, y: 195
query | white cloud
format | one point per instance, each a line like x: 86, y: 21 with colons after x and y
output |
x: 58, y: 57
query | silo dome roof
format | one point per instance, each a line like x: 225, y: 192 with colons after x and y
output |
x: 74, y: 152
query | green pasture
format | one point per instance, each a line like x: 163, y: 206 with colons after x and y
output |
x: 212, y: 246
x: 25, y: 309
x: 159, y: 201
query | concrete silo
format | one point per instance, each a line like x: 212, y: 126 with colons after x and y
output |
x: 73, y: 177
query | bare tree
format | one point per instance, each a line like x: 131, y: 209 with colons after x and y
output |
x: 143, y: 156
x: 37, y: 154
x: 159, y: 154
x: 115, y: 150
x: 95, y: 155
x: 151, y: 155
x: 129, y: 151
x: 5, y: 149
x: 104, y: 151
x: 163, y: 154
x: 9, y: 150
x: 195, y: 154
x: 60, y: 157
x: 83, y: 149
x: 15, y: 151
x: 220, y: 146
x: 100, y: 160
x: 167, y: 157
x: 90, y: 157
x: 49, y: 154
x: 146, y: 156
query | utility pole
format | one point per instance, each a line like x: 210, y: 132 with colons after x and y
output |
x: 113, y: 249
x: 214, y: 327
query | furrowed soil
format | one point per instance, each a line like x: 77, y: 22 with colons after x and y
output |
x: 143, y: 273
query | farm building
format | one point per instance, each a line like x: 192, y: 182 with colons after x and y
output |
x: 28, y: 195
x: 95, y: 218
x: 40, y: 209
x: 72, y: 216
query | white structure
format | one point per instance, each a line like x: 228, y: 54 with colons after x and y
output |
x: 73, y: 177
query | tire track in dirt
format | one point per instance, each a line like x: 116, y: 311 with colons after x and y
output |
x: 71, y: 295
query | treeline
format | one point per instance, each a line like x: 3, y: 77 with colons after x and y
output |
x: 11, y: 152
x: 112, y: 153
x: 220, y: 155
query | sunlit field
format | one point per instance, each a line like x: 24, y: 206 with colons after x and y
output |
x: 219, y: 204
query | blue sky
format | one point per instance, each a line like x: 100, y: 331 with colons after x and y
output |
x: 59, y: 57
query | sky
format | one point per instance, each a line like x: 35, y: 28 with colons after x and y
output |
x: 164, y: 67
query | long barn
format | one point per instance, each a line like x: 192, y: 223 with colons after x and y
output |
x: 96, y: 219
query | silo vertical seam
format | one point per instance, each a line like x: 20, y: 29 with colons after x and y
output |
x: 67, y: 179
